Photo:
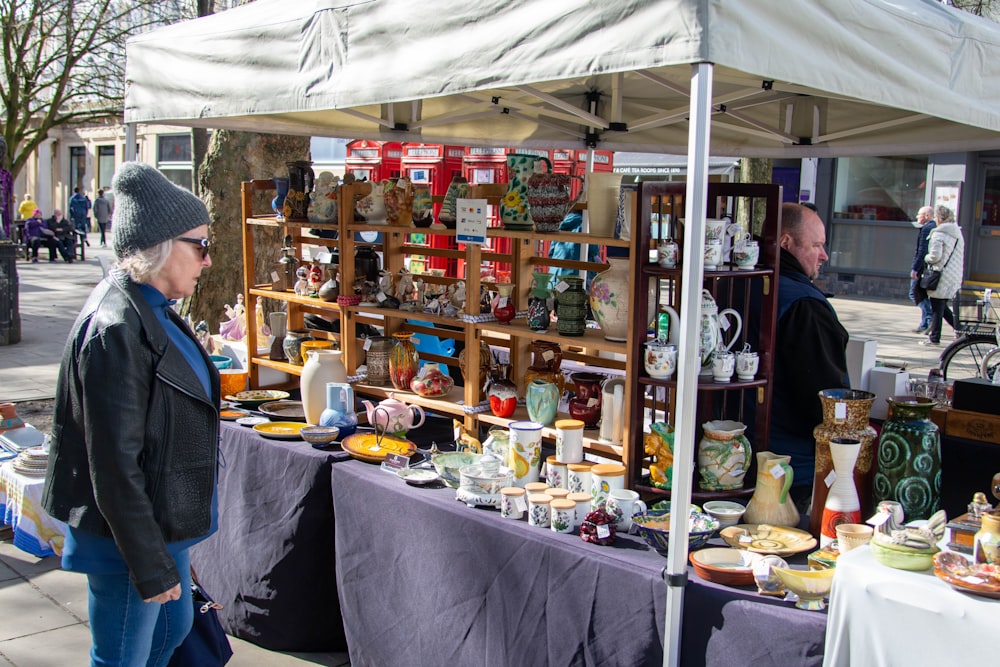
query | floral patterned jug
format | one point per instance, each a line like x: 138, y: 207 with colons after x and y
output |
x: 515, y: 211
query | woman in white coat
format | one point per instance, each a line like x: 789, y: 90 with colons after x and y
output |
x: 946, y: 253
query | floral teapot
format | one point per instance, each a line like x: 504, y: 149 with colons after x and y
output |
x: 714, y: 327
x: 393, y: 416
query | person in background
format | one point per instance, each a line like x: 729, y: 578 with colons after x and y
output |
x: 102, y: 212
x: 79, y: 213
x: 27, y: 207
x: 918, y: 295
x: 37, y: 234
x: 64, y: 234
x: 134, y: 453
x: 945, y: 253
x: 811, y: 346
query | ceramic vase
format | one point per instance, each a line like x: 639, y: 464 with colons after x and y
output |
x: 371, y: 207
x: 909, y: 458
x: 278, y: 321
x: 457, y: 189
x: 339, y: 410
x: 321, y: 367
x: 723, y: 455
x: 423, y: 206
x: 431, y: 381
x: 842, y: 503
x: 846, y: 413
x: 330, y: 290
x: 300, y: 185
x: 502, y: 392
x: 571, y: 308
x: 278, y: 203
x: 986, y: 544
x: 377, y: 360
x: 9, y: 418
x: 549, y: 198
x: 539, y: 315
x: 546, y: 362
x: 515, y: 211
x: 609, y: 294
x: 293, y: 345
x: 586, y: 406
x: 542, y: 400
x: 503, y: 303
x: 323, y: 201
x: 404, y: 362
x: 366, y: 264
x: 602, y: 202
x: 485, y: 361
x: 771, y: 504
x: 399, y: 202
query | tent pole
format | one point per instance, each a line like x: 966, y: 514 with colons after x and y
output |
x: 689, y: 361
x: 130, y: 139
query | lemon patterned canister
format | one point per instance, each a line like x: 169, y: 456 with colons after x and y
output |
x: 605, y: 478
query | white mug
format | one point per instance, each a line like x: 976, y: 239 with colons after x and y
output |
x: 715, y: 229
x: 659, y: 359
x: 713, y: 254
x: 623, y: 504
x: 723, y: 365
x: 746, y: 365
x: 746, y: 255
x: 526, y: 444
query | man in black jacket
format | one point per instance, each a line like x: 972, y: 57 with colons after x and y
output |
x: 918, y: 295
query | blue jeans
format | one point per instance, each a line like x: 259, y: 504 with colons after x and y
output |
x: 925, y: 305
x: 131, y: 633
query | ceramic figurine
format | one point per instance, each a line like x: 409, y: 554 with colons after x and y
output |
x: 302, y: 282
x: 979, y: 505
x: 315, y: 278
x: 405, y: 289
x: 456, y: 295
x: 235, y: 328
x: 204, y: 337
x: 263, y: 331
x: 323, y: 200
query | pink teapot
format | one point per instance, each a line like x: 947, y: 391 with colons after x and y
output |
x: 393, y: 416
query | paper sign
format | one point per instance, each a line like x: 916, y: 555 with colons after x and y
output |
x: 395, y: 462
x: 380, y: 297
x: 471, y: 225
x: 367, y: 345
x: 325, y: 257
x: 548, y: 355
x: 830, y: 479
x: 502, y: 302
x: 562, y: 286
x: 274, y: 276
x: 520, y: 503
x: 603, y: 531
x: 777, y: 471
x: 878, y: 519
x: 840, y: 410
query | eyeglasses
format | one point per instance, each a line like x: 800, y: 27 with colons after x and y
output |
x: 199, y: 242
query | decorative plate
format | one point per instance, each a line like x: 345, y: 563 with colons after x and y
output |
x: 232, y: 414
x: 252, y: 421
x: 281, y: 430
x: 765, y: 539
x: 372, y: 448
x: 418, y: 476
x: 254, y: 397
x: 964, y: 575
x: 284, y: 410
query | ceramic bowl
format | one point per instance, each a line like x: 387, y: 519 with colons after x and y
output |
x: 319, y: 435
x: 853, y: 535
x: 449, y: 464
x: 727, y: 512
x: 654, y: 526
x: 221, y: 362
x: 913, y: 560
x: 810, y: 585
x: 724, y: 565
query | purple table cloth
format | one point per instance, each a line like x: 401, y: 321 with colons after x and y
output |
x: 425, y: 580
x: 271, y: 562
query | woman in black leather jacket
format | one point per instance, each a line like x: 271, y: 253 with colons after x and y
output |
x: 132, y: 467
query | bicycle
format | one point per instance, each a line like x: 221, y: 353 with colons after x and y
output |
x: 979, y: 335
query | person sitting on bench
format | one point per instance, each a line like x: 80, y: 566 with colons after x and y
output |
x: 36, y: 234
x: 65, y: 235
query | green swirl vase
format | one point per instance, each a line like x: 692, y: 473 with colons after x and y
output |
x: 909, y: 458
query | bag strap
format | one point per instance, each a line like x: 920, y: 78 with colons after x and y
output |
x: 953, y: 248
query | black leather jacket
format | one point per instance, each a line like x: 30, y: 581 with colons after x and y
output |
x: 135, y: 439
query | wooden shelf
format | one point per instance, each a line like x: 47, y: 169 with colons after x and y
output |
x: 655, y: 270
x: 592, y: 339
x: 450, y: 403
x: 495, y: 233
x: 590, y: 439
x: 290, y: 296
x: 409, y: 315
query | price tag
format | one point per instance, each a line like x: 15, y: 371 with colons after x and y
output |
x: 745, y: 539
x: 830, y: 479
x: 548, y: 355
x: 840, y: 411
x: 471, y: 224
x: 502, y: 302
x: 592, y: 401
x: 520, y: 503
x: 395, y: 462
x: 562, y: 286
x: 274, y: 276
x: 724, y: 323
x: 878, y: 519
x: 777, y: 471
x: 603, y: 531
x: 380, y: 297
x: 367, y: 345
x: 975, y: 581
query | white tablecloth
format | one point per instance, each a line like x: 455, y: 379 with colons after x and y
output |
x: 882, y: 616
x: 21, y: 508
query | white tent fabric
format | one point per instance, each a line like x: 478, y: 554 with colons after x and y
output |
x: 791, y: 79
x: 799, y: 78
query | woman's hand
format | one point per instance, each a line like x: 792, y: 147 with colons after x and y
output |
x: 172, y: 594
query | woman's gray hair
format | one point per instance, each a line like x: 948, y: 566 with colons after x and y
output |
x: 943, y: 213
x: 143, y: 265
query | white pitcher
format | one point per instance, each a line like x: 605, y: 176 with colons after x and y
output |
x: 714, y: 328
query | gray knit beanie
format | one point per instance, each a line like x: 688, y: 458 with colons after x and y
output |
x: 149, y: 209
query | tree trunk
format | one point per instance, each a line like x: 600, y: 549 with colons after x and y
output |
x: 753, y: 170
x: 234, y: 157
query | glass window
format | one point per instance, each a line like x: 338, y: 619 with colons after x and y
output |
x: 884, y: 249
x: 880, y: 188
x: 328, y: 149
x: 77, y: 167
x: 173, y: 148
x: 181, y: 177
x: 105, y: 166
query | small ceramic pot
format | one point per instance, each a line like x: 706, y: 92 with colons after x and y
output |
x: 578, y: 477
x: 666, y: 254
x: 562, y: 515
x: 512, y: 502
x: 538, y: 509
x: 746, y: 365
x: 659, y: 359
x: 555, y: 473
x: 569, y: 440
x: 723, y: 365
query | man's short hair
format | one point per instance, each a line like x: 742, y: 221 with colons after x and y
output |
x: 793, y: 216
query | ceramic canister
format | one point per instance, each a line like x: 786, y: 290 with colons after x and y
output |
x: 569, y: 440
x: 605, y: 478
x: 557, y: 493
x: 582, y: 501
x: 525, y: 455
x: 536, y: 487
x: 578, y: 477
x: 562, y: 513
x: 555, y: 473
x: 512, y: 502
x: 538, y: 509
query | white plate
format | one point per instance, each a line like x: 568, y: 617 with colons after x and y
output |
x: 250, y: 422
x: 418, y: 476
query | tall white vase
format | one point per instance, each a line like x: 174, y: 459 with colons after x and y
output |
x: 609, y: 296
x: 842, y: 502
x: 602, y: 202
x: 321, y: 367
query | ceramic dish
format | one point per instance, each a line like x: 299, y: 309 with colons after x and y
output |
x: 964, y: 575
x: 449, y: 465
x: 254, y: 397
x: 722, y: 565
x: 902, y: 558
x: 280, y: 430
x: 418, y: 476
x: 232, y: 414
x: 252, y: 421
x: 374, y: 448
x: 291, y: 411
x: 320, y: 435
x: 727, y: 512
x: 654, y: 526
x: 811, y: 586
x: 764, y: 539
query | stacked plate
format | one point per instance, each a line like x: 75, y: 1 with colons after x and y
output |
x: 31, y: 462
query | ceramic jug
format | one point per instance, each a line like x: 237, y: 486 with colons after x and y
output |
x: 300, y: 184
x: 399, y: 202
x: 515, y: 211
x: 771, y: 503
x: 321, y: 367
x: 602, y: 202
x: 715, y: 329
x: 457, y: 189
x: 549, y: 197
x: 723, y: 455
x: 372, y: 207
x: 340, y: 409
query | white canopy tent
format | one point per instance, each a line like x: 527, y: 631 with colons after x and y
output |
x: 799, y: 78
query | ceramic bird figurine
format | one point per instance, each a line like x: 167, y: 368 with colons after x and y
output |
x: 924, y: 538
